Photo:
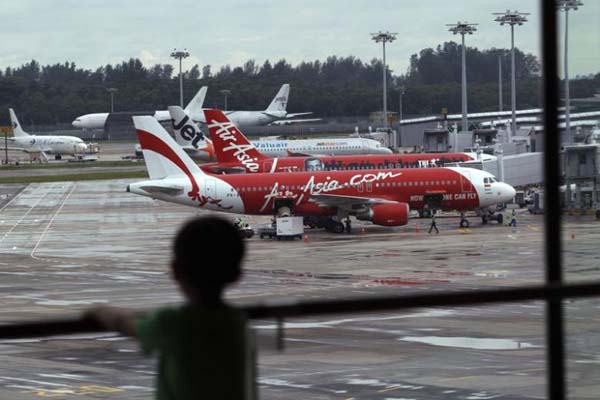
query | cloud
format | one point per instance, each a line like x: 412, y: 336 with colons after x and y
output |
x: 217, y: 33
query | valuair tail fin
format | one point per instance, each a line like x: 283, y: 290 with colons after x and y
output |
x: 231, y: 146
x: 194, y: 107
x: 17, y: 131
x: 280, y: 100
x: 162, y: 155
x: 187, y: 133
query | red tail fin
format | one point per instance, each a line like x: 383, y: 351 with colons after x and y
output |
x: 231, y: 146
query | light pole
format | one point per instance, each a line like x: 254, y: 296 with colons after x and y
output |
x: 512, y: 18
x: 500, y: 105
x: 384, y: 37
x: 225, y: 92
x: 402, y: 92
x: 180, y: 55
x: 112, y: 91
x: 566, y: 5
x: 463, y: 28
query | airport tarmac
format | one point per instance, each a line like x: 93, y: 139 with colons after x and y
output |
x: 67, y: 246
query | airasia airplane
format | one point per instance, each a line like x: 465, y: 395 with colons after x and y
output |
x: 381, y: 196
x: 236, y: 154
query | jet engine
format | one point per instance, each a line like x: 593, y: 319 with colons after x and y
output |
x: 386, y: 214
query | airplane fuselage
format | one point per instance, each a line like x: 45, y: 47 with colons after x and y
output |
x: 256, y: 194
x: 58, y: 145
x: 340, y: 163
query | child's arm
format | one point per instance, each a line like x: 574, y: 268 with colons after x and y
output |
x: 114, y: 319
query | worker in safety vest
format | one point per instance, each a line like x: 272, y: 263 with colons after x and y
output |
x: 513, y: 218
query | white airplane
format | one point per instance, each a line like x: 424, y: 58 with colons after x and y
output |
x: 199, y: 147
x: 45, y: 144
x: 98, y: 120
x: 276, y: 111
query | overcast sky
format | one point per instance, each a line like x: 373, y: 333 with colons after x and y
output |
x: 94, y: 33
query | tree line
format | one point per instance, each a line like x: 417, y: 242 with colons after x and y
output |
x: 336, y: 86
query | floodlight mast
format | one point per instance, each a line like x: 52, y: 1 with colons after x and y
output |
x: 180, y: 55
x: 112, y: 91
x: 225, y: 92
x: 512, y: 18
x: 566, y: 5
x: 463, y: 28
x: 384, y: 37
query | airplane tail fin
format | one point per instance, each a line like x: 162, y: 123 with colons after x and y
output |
x: 231, y: 146
x: 162, y: 155
x: 280, y: 100
x: 194, y: 107
x: 16, y: 127
x: 187, y: 133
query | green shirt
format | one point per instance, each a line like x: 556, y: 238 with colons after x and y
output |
x: 203, y: 353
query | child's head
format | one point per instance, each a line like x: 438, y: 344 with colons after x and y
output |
x: 207, y: 253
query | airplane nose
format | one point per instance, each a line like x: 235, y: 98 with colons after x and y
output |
x: 508, y: 192
x: 76, y: 123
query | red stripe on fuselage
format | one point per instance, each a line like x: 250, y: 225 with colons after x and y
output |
x: 400, y: 185
x: 358, y: 162
x: 150, y: 142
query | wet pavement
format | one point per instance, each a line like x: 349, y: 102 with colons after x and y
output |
x: 67, y: 246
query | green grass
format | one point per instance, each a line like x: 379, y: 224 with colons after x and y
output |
x: 79, y: 165
x: 74, y: 177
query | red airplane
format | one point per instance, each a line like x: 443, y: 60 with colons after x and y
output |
x: 236, y: 154
x: 381, y: 196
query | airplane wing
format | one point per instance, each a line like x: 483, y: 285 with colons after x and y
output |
x: 298, y: 114
x: 227, y: 170
x: 346, y: 202
x: 297, y: 154
x: 295, y: 121
x: 168, y: 190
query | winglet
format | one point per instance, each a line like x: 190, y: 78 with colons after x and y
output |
x: 231, y: 146
x: 16, y: 126
x: 162, y: 155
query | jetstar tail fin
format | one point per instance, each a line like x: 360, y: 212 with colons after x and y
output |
x: 187, y: 133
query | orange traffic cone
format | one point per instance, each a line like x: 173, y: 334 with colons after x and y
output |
x: 362, y: 231
x: 416, y: 227
x: 306, y: 239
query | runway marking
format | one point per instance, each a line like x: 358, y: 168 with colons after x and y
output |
x: 26, y: 213
x: 51, y: 221
x: 14, y: 198
x: 80, y: 391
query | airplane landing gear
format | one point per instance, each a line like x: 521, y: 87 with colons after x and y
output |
x: 464, y: 222
x: 329, y: 224
x: 334, y: 226
x: 489, y: 215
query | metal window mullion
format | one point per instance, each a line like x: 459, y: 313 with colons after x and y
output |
x: 552, y: 214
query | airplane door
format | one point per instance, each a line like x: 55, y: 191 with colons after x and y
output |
x: 360, y: 188
x: 465, y: 182
x: 369, y: 186
x: 267, y: 166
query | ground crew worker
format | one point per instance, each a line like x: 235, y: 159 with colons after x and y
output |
x: 433, y: 224
x: 513, y: 218
x: 348, y: 225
